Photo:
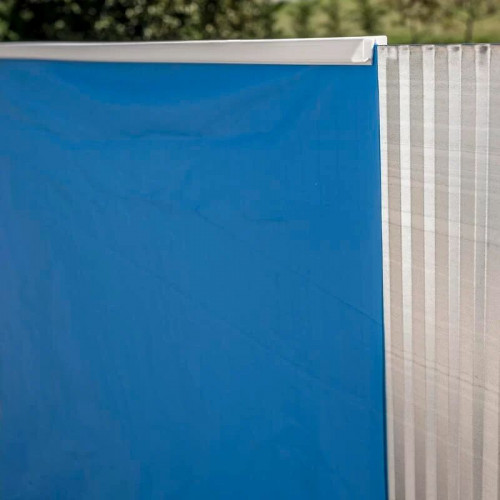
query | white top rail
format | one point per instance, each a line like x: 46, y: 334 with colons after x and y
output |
x: 310, y: 51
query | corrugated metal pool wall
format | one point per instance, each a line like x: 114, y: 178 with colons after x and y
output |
x: 440, y: 121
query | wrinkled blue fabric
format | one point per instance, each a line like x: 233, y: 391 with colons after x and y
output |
x: 191, y: 282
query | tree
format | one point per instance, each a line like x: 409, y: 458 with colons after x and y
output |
x: 48, y: 20
x: 109, y: 20
x: 473, y: 11
x: 223, y: 19
x: 302, y: 12
x: 415, y: 15
x: 141, y: 20
x: 368, y: 15
x: 333, y: 24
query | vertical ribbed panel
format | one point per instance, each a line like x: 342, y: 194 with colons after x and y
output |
x: 440, y: 130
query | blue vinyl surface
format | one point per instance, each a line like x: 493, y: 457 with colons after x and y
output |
x: 191, y: 282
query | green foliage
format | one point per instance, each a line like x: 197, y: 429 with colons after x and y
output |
x: 369, y: 15
x: 106, y: 20
x: 333, y: 15
x: 416, y: 14
x: 473, y: 11
x: 136, y: 19
x: 224, y: 19
x: 302, y: 13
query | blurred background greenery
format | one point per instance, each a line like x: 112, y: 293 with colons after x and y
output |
x: 404, y: 21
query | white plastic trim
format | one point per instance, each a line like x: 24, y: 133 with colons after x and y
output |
x: 315, y: 51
